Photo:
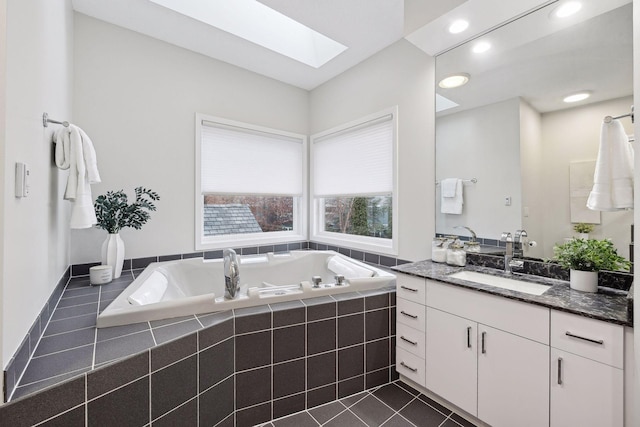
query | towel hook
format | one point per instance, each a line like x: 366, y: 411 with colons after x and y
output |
x: 46, y: 120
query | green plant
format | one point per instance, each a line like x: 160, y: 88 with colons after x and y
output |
x: 582, y: 227
x: 589, y: 255
x: 115, y: 213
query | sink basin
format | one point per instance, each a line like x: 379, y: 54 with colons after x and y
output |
x: 501, y: 282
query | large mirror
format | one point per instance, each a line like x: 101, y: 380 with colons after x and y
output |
x: 532, y: 154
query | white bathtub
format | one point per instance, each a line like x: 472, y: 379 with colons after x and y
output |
x: 196, y: 286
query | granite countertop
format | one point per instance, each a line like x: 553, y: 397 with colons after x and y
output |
x: 607, y: 305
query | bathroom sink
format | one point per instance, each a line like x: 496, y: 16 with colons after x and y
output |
x: 501, y: 282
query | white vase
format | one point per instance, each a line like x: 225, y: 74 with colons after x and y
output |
x: 585, y: 281
x: 584, y: 236
x: 113, y: 253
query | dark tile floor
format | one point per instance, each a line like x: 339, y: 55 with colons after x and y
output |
x: 391, y: 405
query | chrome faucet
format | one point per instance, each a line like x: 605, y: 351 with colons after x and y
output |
x: 518, y: 250
x: 508, y: 255
x: 473, y: 233
x: 231, y: 274
x: 509, y: 262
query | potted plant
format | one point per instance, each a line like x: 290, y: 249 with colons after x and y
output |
x: 585, y: 257
x: 583, y: 229
x: 114, y: 213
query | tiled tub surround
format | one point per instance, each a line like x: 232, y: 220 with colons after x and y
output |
x: 16, y: 365
x: 609, y: 305
x: 246, y: 367
x: 78, y: 270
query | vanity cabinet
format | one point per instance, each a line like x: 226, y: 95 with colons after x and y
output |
x: 410, y: 327
x: 484, y: 355
x: 587, y: 377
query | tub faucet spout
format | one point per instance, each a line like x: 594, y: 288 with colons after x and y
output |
x: 231, y: 274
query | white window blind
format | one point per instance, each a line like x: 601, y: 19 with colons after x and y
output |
x: 356, y: 161
x: 236, y: 160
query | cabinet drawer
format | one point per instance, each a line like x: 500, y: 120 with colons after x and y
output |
x: 411, y: 288
x: 519, y: 318
x: 411, y: 314
x: 410, y: 365
x: 410, y: 339
x: 590, y: 338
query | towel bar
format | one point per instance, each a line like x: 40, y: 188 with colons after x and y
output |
x: 608, y: 119
x: 472, y: 180
x: 46, y: 120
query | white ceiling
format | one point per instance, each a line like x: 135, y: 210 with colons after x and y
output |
x: 542, y: 60
x: 364, y: 26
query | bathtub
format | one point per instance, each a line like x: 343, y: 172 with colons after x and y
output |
x: 196, y: 286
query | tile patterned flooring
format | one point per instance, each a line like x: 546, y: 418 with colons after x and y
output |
x: 391, y: 405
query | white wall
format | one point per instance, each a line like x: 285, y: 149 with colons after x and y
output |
x: 574, y: 135
x: 635, y: 409
x: 481, y: 143
x: 3, y: 112
x: 39, y: 58
x: 399, y: 75
x: 136, y: 97
x: 533, y: 197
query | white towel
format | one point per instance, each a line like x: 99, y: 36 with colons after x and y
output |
x: 451, y: 196
x: 74, y: 151
x: 613, y: 178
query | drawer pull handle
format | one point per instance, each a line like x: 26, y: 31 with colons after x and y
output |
x: 408, y: 289
x: 569, y: 334
x: 408, y: 340
x: 413, y: 316
x: 409, y: 367
x: 484, y: 348
x: 560, y: 370
x: 468, y: 336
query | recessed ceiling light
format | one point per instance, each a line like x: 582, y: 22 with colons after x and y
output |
x: 259, y: 24
x: 458, y: 26
x: 566, y: 9
x: 580, y: 96
x: 481, y: 47
x: 454, y: 80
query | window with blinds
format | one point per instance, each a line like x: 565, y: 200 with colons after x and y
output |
x: 353, y: 181
x: 251, y: 184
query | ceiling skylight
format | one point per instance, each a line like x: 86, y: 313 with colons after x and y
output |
x: 259, y: 24
x: 443, y: 103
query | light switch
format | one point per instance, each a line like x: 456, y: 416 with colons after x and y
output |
x: 507, y: 201
x: 22, y: 180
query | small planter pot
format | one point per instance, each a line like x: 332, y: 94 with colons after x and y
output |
x: 113, y: 253
x: 585, y: 281
x: 584, y: 236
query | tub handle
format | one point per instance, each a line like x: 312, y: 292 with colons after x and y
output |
x: 339, y: 279
x: 316, y: 281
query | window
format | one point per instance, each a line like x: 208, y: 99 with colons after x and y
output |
x: 353, y: 179
x: 250, y: 184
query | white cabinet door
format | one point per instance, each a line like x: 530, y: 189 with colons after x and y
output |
x: 584, y: 393
x: 513, y: 380
x: 451, y: 358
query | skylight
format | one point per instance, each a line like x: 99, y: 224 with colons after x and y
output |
x: 443, y: 103
x: 259, y: 24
